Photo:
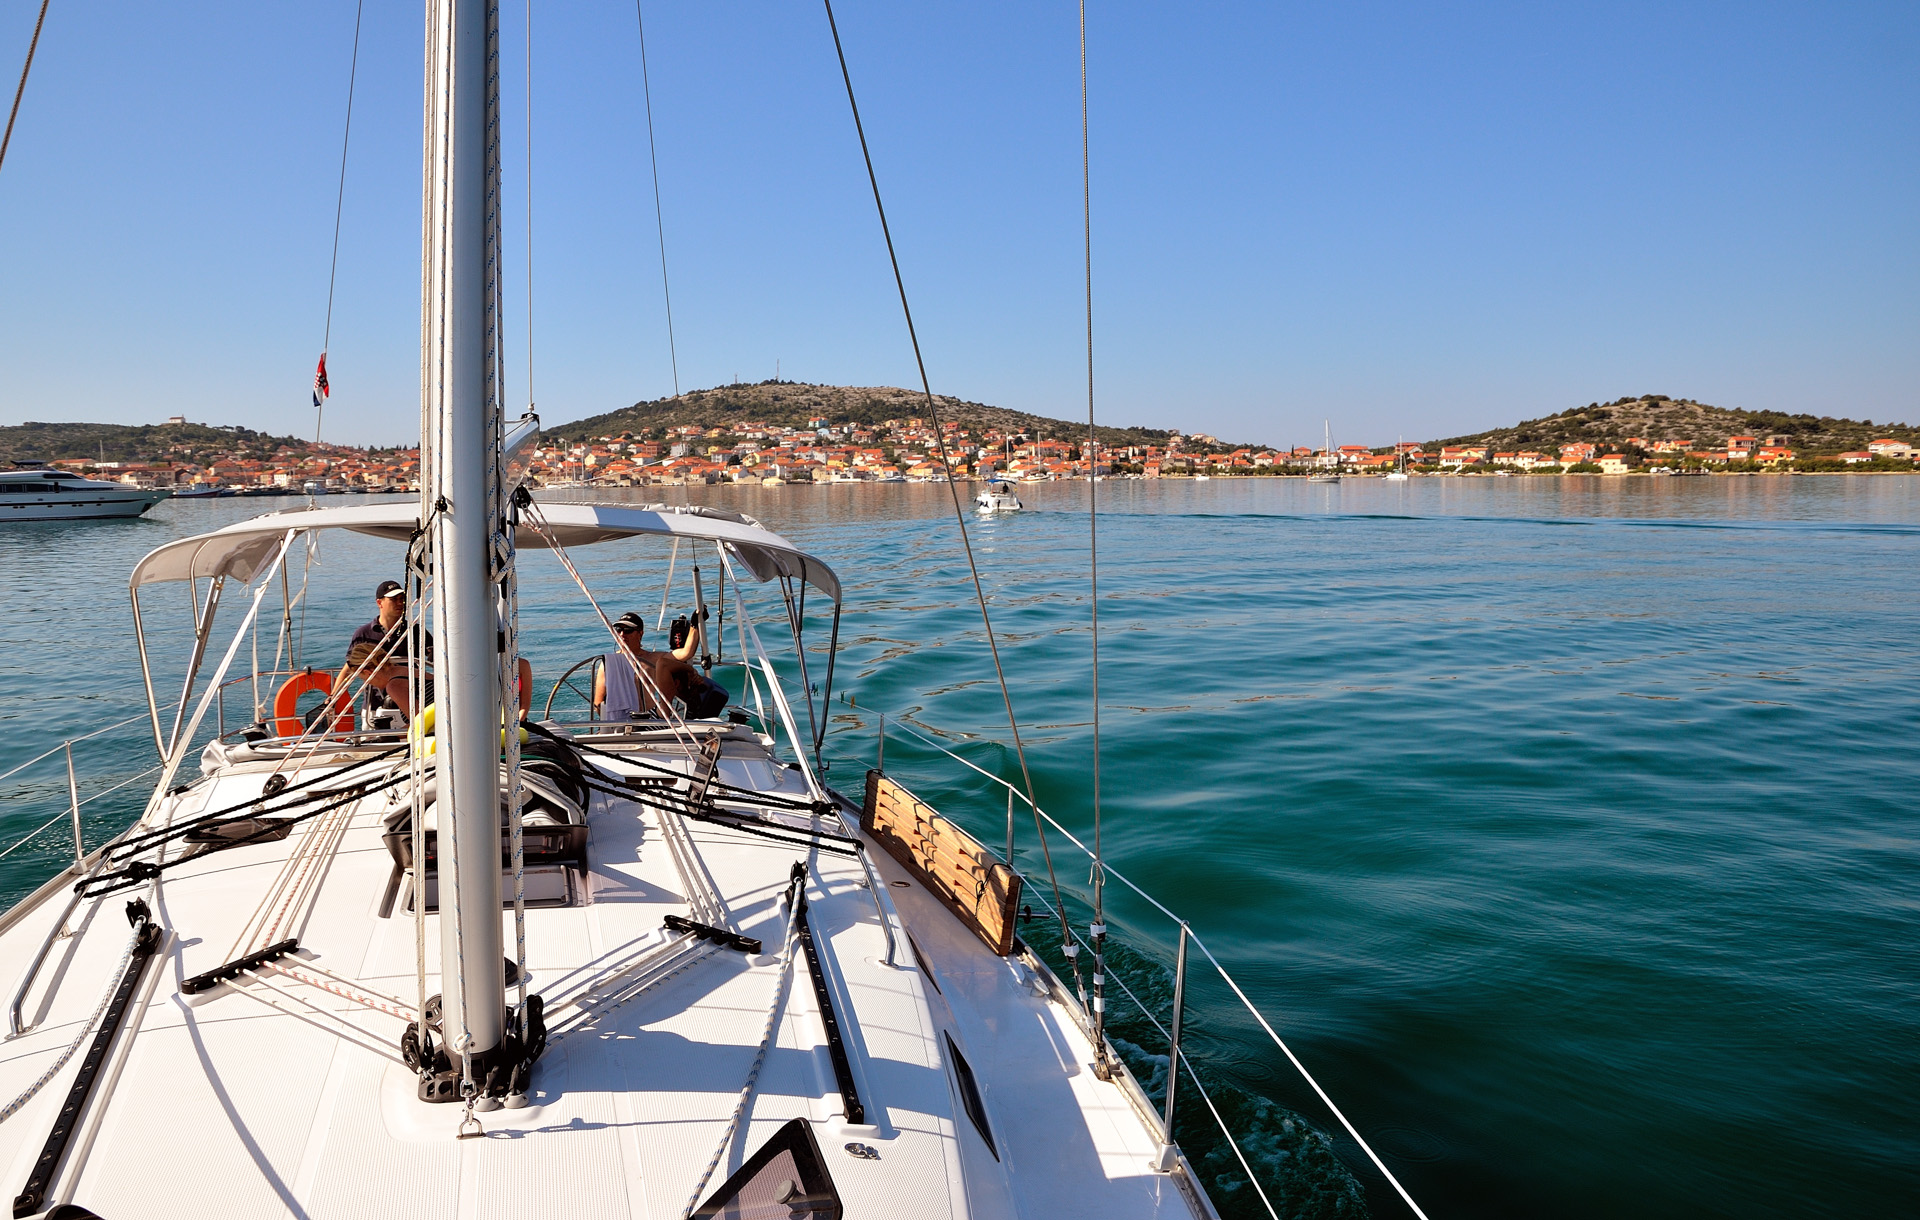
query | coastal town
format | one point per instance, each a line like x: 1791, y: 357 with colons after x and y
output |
x: 910, y: 449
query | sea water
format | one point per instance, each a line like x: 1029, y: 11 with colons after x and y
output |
x: 1561, y: 826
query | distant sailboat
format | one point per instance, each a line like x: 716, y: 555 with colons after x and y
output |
x: 1331, y: 474
x: 1399, y: 472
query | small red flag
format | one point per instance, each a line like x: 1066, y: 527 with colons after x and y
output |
x: 320, y: 380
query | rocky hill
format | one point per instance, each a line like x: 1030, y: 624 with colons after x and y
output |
x: 1656, y: 417
x: 791, y: 404
x: 38, y: 442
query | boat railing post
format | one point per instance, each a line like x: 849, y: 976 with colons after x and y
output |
x: 73, y: 806
x: 1009, y: 826
x: 881, y: 765
x: 1169, y: 1151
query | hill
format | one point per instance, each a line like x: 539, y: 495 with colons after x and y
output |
x: 791, y: 404
x: 1656, y: 417
x: 39, y: 442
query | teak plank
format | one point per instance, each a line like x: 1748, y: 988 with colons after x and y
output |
x: 962, y: 872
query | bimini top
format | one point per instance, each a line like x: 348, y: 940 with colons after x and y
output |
x: 242, y: 549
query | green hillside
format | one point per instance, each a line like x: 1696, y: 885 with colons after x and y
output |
x: 1656, y: 417
x: 791, y: 404
x: 39, y: 442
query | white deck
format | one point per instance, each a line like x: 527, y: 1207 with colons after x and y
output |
x: 221, y: 1104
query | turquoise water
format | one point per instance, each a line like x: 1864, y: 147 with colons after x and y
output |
x: 1560, y: 825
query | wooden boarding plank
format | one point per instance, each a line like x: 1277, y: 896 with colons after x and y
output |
x: 962, y: 872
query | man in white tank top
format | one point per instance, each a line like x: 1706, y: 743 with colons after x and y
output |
x: 617, y: 690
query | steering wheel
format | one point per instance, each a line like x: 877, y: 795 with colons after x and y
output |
x: 573, y: 693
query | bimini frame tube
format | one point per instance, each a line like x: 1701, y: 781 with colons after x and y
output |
x: 203, y: 626
x: 146, y: 673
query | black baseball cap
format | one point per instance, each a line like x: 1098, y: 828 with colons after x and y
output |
x: 629, y: 622
x: 388, y: 588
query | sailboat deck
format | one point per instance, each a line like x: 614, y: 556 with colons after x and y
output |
x: 280, y: 1097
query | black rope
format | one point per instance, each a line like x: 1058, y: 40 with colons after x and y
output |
x: 143, y: 870
x: 779, y: 834
x: 775, y: 800
x: 24, y: 69
x: 134, y: 845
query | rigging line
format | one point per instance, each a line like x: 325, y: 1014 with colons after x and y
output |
x: 22, y: 88
x: 959, y: 516
x: 659, y: 221
x: 1092, y: 455
x: 339, y: 208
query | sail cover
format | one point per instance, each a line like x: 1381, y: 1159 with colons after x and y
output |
x: 242, y: 549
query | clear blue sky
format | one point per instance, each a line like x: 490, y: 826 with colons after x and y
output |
x: 1413, y: 219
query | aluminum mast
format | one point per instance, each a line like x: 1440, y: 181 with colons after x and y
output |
x: 462, y: 450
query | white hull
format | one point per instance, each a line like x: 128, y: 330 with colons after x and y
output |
x: 998, y: 499
x: 79, y: 505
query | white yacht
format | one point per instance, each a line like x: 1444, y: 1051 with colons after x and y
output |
x: 57, y: 495
x: 999, y: 497
x: 595, y: 965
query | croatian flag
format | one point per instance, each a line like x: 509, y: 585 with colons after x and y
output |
x: 320, y: 380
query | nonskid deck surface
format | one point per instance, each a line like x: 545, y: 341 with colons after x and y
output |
x: 273, y: 1096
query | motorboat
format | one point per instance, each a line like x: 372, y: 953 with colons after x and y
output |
x: 998, y: 497
x: 34, y: 494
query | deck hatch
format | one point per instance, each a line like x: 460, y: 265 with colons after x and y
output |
x: 785, y: 1180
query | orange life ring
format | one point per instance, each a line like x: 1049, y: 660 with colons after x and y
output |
x: 286, y: 704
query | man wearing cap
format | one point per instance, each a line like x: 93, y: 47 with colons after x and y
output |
x: 385, y: 638
x: 619, y: 694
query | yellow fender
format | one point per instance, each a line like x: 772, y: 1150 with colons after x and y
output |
x: 422, y: 730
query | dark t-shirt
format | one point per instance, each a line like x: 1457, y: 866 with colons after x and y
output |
x: 395, y: 646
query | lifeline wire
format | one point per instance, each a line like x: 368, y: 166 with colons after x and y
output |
x: 24, y: 69
x: 659, y: 221
x: 959, y: 517
x: 339, y: 207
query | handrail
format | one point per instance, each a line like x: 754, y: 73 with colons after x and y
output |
x: 1109, y: 870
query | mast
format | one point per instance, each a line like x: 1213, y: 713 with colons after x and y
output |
x: 461, y: 505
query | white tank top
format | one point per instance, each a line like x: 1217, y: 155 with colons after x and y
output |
x: 622, y: 688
